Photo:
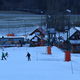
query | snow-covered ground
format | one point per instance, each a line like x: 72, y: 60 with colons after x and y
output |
x: 41, y: 67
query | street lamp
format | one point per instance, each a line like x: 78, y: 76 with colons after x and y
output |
x: 41, y: 23
x: 69, y: 11
x: 48, y: 31
x: 67, y: 40
x: 67, y: 53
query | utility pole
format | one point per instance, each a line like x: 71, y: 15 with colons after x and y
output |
x: 48, y: 31
x: 69, y: 11
x: 41, y: 23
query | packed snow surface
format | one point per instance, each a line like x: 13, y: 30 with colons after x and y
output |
x: 42, y: 65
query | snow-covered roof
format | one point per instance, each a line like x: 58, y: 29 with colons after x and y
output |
x: 72, y: 31
x: 31, y: 36
x: 13, y: 36
x: 35, y: 39
x: 78, y: 28
x: 39, y: 28
x: 63, y: 35
x: 75, y: 41
x: 42, y: 30
x: 30, y: 30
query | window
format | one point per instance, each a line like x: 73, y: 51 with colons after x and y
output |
x: 78, y: 48
x: 35, y: 39
x: 73, y: 37
x: 4, y: 39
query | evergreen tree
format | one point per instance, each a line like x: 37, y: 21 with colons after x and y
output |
x: 1, y: 2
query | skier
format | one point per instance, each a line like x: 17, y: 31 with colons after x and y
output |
x: 28, y: 54
x: 21, y: 43
x: 2, y: 48
x: 3, y: 56
x: 6, y: 54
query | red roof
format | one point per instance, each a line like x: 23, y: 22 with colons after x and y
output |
x: 42, y: 30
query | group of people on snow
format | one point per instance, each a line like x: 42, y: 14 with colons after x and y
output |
x: 4, y: 55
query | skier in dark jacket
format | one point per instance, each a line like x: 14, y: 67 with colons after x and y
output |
x: 6, y: 54
x: 28, y: 55
x: 3, y: 56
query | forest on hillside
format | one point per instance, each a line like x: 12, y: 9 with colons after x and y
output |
x: 48, y: 6
x: 56, y: 9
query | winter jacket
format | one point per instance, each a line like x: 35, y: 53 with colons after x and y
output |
x: 2, y: 54
x: 28, y: 55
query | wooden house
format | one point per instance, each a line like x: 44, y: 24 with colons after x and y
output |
x: 39, y: 31
x: 34, y: 40
x: 75, y: 40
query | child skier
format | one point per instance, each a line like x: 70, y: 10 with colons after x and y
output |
x: 3, y: 56
x: 28, y: 54
x: 6, y: 54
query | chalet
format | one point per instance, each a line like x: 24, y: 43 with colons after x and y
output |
x: 75, y: 39
x: 39, y: 31
x: 34, y: 39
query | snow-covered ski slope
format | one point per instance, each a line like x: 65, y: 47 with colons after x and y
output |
x: 41, y: 67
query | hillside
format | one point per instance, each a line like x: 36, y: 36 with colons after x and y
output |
x: 18, y: 22
x: 48, y: 6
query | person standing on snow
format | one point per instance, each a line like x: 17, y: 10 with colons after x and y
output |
x: 6, y: 54
x: 28, y: 55
x: 3, y: 56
